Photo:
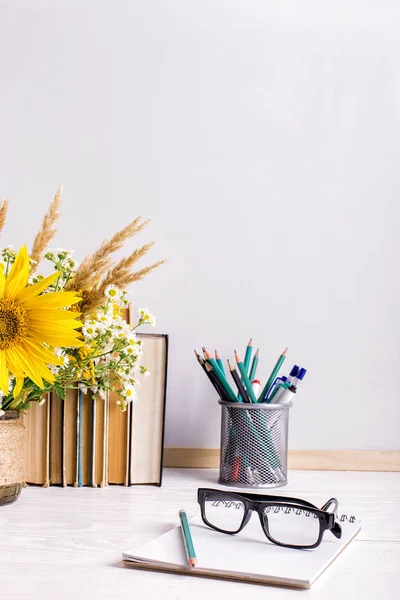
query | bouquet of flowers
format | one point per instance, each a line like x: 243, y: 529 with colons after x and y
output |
x: 66, y: 330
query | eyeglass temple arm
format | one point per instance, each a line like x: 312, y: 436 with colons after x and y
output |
x: 336, y: 528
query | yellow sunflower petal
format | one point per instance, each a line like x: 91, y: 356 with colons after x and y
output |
x: 40, y: 364
x: 53, y: 300
x: 18, y: 276
x: 54, y: 315
x: 56, y: 338
x: 33, y: 290
x: 14, y: 366
x: 34, y: 347
x: 46, y: 329
x: 17, y: 356
x: 3, y: 373
x: 18, y: 386
x: 2, y: 280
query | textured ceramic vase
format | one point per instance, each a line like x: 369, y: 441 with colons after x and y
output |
x: 12, y: 442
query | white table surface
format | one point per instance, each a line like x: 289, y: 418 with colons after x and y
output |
x: 66, y: 543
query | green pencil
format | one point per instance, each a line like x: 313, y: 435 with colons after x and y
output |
x: 187, y: 539
x: 220, y: 376
x: 245, y: 379
x: 247, y: 356
x: 254, y: 365
x: 219, y: 362
x: 273, y: 375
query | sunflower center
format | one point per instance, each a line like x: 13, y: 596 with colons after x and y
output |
x: 13, y: 323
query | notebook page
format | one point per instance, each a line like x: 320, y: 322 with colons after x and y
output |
x: 248, y: 553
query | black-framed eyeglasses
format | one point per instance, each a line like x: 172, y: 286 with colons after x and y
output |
x: 288, y: 522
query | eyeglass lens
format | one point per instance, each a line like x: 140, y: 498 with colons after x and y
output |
x: 292, y: 526
x: 224, y: 512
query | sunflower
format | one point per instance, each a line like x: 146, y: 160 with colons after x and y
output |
x: 31, y: 324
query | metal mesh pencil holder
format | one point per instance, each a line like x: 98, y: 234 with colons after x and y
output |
x: 254, y: 444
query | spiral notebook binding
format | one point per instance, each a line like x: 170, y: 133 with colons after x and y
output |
x: 345, y: 517
x: 299, y: 511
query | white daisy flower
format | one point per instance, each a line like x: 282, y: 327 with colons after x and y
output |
x: 145, y: 316
x: 129, y: 393
x: 103, y: 317
x: 89, y: 330
x: 42, y: 401
x: 2, y: 412
x: 83, y: 388
x: 112, y: 292
x: 132, y: 350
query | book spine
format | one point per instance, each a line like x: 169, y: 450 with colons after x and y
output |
x: 104, y: 481
x: 79, y: 444
x: 47, y: 444
x: 93, y: 453
x: 63, y: 445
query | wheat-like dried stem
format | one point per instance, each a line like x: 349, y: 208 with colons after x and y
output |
x: 93, y: 267
x: 120, y: 278
x: 47, y: 231
x: 126, y: 263
x: 3, y: 213
x: 132, y: 277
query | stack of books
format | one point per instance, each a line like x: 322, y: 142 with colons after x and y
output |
x: 88, y: 441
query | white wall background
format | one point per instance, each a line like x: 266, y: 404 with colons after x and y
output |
x: 262, y: 138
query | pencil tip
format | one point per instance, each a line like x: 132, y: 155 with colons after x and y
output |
x: 285, y: 351
x: 250, y: 342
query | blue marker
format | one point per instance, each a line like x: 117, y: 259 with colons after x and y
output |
x: 293, y: 373
x: 299, y: 377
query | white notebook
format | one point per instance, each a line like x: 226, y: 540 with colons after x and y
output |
x: 247, y: 556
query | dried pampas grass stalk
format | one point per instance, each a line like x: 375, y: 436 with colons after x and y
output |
x: 47, y: 231
x: 126, y: 263
x: 138, y: 275
x: 119, y: 277
x: 3, y: 213
x: 93, y: 267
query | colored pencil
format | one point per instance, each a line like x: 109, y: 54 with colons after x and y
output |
x: 249, y: 349
x: 220, y: 374
x: 246, y: 380
x: 273, y: 375
x: 226, y: 392
x: 219, y: 361
x: 215, y: 382
x: 254, y: 365
x: 187, y: 539
x: 247, y: 356
x: 239, y: 384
